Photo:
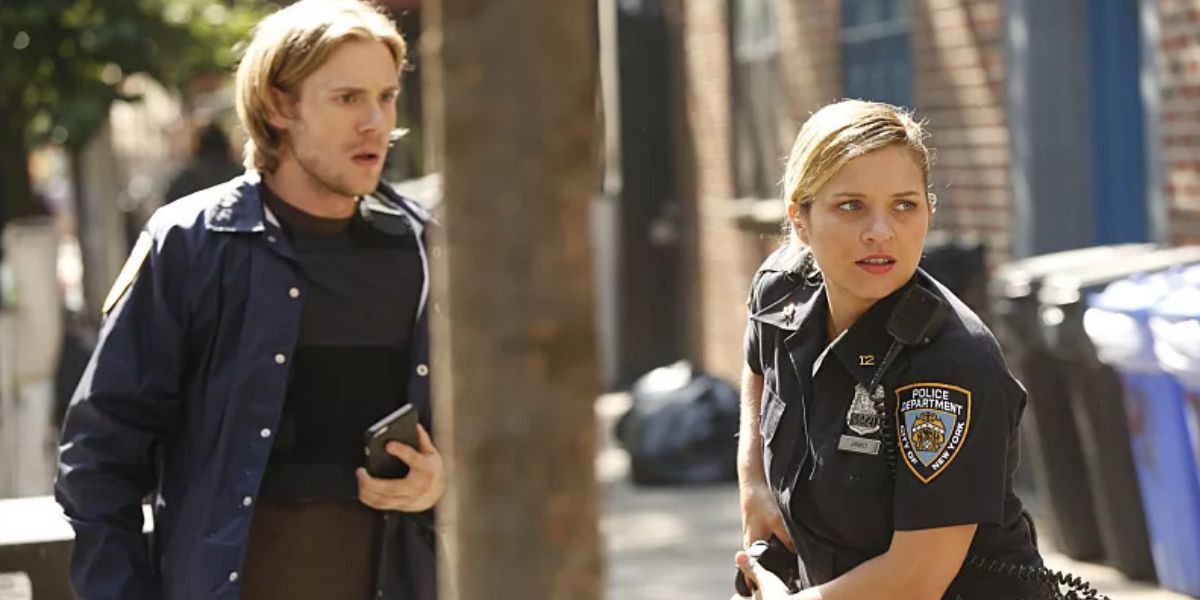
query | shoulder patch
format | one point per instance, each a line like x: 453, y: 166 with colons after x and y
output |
x: 932, y: 420
x: 129, y: 272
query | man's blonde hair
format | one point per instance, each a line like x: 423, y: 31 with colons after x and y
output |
x: 287, y: 47
x: 842, y: 131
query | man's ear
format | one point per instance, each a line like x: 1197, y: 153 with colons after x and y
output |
x: 281, y: 109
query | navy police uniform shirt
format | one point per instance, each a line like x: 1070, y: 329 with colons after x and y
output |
x: 183, y: 397
x: 953, y: 410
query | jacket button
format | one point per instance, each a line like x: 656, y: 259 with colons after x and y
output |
x: 271, y: 238
x: 280, y: 359
x: 294, y: 292
x: 265, y: 433
x: 233, y: 576
x: 422, y: 370
x: 247, y: 501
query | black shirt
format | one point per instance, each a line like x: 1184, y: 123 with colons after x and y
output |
x: 952, y: 405
x: 363, y: 281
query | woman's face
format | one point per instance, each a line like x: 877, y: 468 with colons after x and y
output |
x: 866, y: 226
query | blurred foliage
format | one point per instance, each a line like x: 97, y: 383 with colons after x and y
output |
x: 62, y: 61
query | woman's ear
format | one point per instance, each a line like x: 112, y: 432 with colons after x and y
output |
x: 797, y: 221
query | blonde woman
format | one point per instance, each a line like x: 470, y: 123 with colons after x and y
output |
x: 256, y: 332
x: 879, y: 432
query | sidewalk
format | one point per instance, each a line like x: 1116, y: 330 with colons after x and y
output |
x: 671, y: 543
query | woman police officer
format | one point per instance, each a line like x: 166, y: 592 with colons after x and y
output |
x: 823, y: 414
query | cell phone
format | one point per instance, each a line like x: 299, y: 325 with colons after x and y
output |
x: 776, y: 558
x: 399, y: 425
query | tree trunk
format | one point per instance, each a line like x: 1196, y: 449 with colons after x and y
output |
x: 16, y: 197
x: 513, y: 83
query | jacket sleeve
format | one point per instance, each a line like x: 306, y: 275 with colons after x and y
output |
x: 126, y: 403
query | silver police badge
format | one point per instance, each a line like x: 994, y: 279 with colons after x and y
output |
x: 863, y: 418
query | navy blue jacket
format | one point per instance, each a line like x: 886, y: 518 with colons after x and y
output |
x: 182, y: 396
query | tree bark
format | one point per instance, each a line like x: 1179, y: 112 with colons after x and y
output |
x: 16, y: 196
x: 513, y: 84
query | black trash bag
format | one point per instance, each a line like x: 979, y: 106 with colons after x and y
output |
x: 682, y: 428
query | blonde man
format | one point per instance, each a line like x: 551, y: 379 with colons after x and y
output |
x: 257, y: 330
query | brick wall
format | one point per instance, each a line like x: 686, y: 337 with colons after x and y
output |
x: 1178, y: 61
x: 718, y: 275
x: 958, y: 86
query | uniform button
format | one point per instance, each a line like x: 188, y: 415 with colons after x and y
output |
x: 422, y: 370
x: 233, y: 576
x: 271, y: 238
x: 280, y: 359
x: 294, y: 292
x: 247, y: 501
x: 265, y: 433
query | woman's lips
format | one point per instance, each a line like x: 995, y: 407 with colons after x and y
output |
x: 877, y: 264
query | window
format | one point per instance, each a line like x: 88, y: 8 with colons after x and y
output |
x: 762, y: 129
x: 876, y: 51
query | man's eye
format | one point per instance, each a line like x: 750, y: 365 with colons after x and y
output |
x: 389, y: 96
x: 346, y: 98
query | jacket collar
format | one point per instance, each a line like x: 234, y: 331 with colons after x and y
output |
x: 794, y: 308
x: 239, y: 208
x: 860, y: 349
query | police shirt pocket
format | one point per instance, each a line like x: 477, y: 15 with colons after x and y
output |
x: 771, y: 415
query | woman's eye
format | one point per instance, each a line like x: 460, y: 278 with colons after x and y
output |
x: 850, y: 205
x: 906, y: 205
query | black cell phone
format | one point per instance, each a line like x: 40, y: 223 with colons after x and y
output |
x: 776, y: 558
x: 398, y: 426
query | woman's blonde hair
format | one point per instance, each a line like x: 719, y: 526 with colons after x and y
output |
x: 835, y: 135
x: 287, y: 47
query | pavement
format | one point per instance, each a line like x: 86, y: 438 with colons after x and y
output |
x: 667, y: 543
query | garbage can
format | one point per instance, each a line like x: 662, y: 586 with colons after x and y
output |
x: 1118, y: 323
x: 1094, y: 393
x: 959, y: 263
x: 1051, y: 446
x: 1176, y: 327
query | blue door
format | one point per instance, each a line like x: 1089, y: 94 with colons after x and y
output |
x: 1117, y: 148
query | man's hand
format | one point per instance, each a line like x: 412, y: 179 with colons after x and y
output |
x: 761, y: 517
x: 419, y: 490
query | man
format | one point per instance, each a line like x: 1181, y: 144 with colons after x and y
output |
x: 211, y: 163
x: 258, y: 328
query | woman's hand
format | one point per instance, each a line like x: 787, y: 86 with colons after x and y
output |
x: 761, y: 517
x: 765, y: 584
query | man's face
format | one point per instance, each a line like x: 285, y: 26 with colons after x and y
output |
x: 339, y: 120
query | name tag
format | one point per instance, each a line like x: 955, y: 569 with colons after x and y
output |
x: 850, y: 443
